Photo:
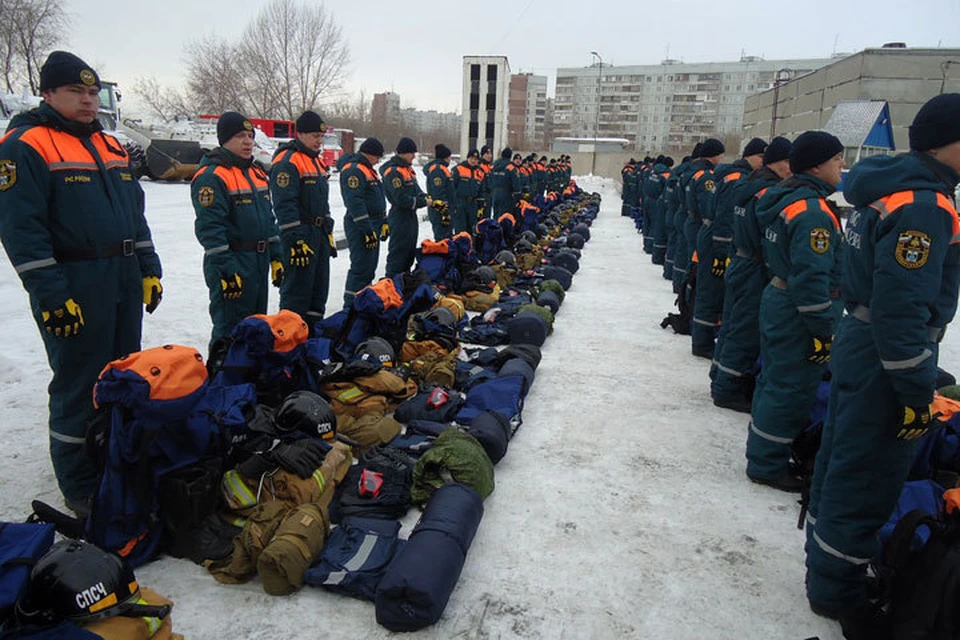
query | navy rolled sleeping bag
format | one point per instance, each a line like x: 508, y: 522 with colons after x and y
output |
x: 415, y: 590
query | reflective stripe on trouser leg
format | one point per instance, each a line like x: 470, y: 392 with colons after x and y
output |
x: 739, y: 346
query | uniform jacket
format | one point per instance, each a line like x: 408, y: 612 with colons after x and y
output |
x: 902, y: 261
x: 746, y: 194
x: 439, y: 182
x: 232, y: 201
x: 467, y: 180
x: 66, y: 188
x: 361, y: 188
x: 700, y: 189
x: 720, y: 209
x: 501, y: 177
x: 299, y: 186
x: 400, y: 185
x: 802, y: 244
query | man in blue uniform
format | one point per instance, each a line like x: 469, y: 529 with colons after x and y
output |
x: 301, y: 203
x: 72, y: 222
x: 365, y: 219
x: 653, y: 187
x: 669, y: 203
x: 501, y: 179
x: 699, y: 196
x: 236, y: 227
x: 800, y: 306
x: 900, y: 281
x: 468, y: 183
x: 738, y: 345
x: 440, y: 189
x: 627, y: 187
x: 714, y: 239
x: 405, y: 197
x: 681, y: 252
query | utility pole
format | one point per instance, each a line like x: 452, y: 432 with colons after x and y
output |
x: 596, y: 123
x: 782, y: 76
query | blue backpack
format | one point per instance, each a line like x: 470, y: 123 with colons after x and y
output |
x: 21, y: 545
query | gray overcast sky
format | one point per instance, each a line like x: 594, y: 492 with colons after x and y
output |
x: 415, y: 48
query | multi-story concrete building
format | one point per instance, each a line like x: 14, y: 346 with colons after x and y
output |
x: 526, y: 120
x: 424, y: 121
x: 902, y: 78
x: 486, y: 83
x: 385, y: 109
x: 665, y: 107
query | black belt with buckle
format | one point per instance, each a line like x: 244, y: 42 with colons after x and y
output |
x: 319, y: 221
x: 259, y: 246
x: 125, y: 248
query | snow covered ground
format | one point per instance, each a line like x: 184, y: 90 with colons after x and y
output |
x: 621, y: 509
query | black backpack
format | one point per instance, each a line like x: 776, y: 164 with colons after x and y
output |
x: 922, y: 587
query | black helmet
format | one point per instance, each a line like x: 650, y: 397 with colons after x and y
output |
x: 80, y: 582
x: 483, y: 274
x: 542, y: 230
x: 529, y: 236
x: 575, y: 241
x: 506, y: 258
x: 443, y: 317
x: 307, y: 412
x: 522, y: 246
x: 376, y: 349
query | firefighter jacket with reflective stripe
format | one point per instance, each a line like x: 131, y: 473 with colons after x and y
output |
x: 467, y: 181
x: 400, y: 185
x: 67, y: 188
x: 902, y: 263
x: 298, y: 186
x: 361, y: 189
x: 802, y: 245
x: 231, y: 198
x: 439, y: 181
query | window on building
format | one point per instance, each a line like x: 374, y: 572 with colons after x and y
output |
x: 473, y: 129
x: 491, y: 72
x: 490, y: 129
x: 474, y: 100
x: 475, y: 72
x: 491, y: 101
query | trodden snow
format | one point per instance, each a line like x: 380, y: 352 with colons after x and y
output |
x: 621, y: 509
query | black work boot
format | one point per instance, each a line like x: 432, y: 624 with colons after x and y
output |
x: 742, y: 405
x: 865, y: 623
x: 786, y: 481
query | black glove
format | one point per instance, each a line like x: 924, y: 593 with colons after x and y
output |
x: 719, y: 266
x: 300, y: 254
x: 63, y: 321
x: 232, y: 286
x: 301, y: 457
x: 915, y: 422
x: 370, y: 240
x: 820, y: 349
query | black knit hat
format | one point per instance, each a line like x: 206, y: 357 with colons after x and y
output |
x: 813, y: 148
x: 937, y: 124
x: 473, y: 154
x: 310, y: 122
x: 230, y: 124
x: 485, y: 149
x: 441, y: 151
x: 517, y: 156
x: 711, y: 147
x: 778, y: 149
x: 406, y: 145
x: 506, y: 153
x: 696, y: 151
x: 755, y: 147
x: 62, y: 68
x: 373, y: 147
x: 668, y: 161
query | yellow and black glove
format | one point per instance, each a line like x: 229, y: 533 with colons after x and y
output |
x: 152, y: 293
x: 333, y: 245
x: 820, y: 349
x: 370, y: 240
x: 440, y: 206
x: 300, y: 254
x: 719, y: 266
x: 276, y: 272
x: 64, y: 321
x: 384, y: 231
x: 445, y: 218
x: 915, y: 422
x: 232, y: 287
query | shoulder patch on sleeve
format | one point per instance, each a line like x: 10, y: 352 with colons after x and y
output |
x: 205, y: 196
x: 8, y: 174
x: 396, y: 182
x: 913, y: 249
x: 283, y: 179
x: 353, y: 182
x: 710, y: 186
x: 438, y: 181
x: 820, y: 240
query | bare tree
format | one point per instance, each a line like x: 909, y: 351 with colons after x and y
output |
x: 29, y: 29
x: 294, y: 55
x: 215, y: 82
x: 164, y: 102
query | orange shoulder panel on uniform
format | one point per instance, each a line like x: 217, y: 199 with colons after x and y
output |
x: 464, y: 171
x: 697, y: 175
x: 289, y: 330
x: 407, y: 173
x: 304, y: 164
x: 230, y: 178
x: 60, y: 150
x: 944, y: 203
x: 794, y: 209
x: 759, y: 194
x: 172, y: 371
x: 367, y: 171
x: 825, y: 206
x: 730, y: 177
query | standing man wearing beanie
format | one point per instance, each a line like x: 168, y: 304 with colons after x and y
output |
x: 714, y: 240
x: 440, y: 189
x: 799, y: 309
x: 236, y: 226
x: 738, y: 345
x: 405, y: 196
x: 73, y: 225
x: 501, y: 180
x: 467, y: 183
x: 365, y: 219
x: 699, y: 198
x: 681, y: 252
x: 900, y: 279
x: 301, y: 203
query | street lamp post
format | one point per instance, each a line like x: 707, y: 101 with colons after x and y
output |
x: 596, y: 122
x: 781, y: 77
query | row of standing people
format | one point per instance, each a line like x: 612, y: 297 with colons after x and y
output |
x: 862, y: 303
